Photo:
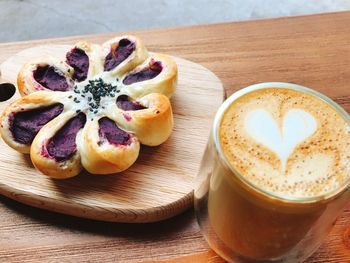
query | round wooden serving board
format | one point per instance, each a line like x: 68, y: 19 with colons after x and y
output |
x: 160, y: 183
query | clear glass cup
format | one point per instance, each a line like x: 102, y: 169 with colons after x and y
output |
x: 243, y: 223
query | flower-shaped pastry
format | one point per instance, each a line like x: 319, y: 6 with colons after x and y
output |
x: 93, y: 109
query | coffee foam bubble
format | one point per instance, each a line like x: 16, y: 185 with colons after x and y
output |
x: 287, y: 142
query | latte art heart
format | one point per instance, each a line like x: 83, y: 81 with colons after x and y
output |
x: 296, y: 127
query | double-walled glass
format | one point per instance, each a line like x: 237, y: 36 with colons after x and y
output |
x: 243, y: 223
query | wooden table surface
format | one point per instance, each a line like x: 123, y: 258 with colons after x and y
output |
x: 313, y: 51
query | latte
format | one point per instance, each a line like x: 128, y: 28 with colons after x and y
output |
x: 286, y: 142
x: 275, y: 174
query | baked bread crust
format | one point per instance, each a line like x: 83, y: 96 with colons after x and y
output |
x: 137, y: 112
x: 25, y: 79
x: 164, y: 83
x: 137, y: 57
x: 94, y: 53
x: 105, y: 158
x: 38, y: 99
x: 45, y: 163
x: 153, y: 125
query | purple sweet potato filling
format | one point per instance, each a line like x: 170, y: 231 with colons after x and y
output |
x: 51, y: 78
x: 112, y: 133
x: 148, y: 73
x: 125, y: 104
x: 118, y: 55
x: 25, y: 125
x: 79, y: 60
x: 62, y: 146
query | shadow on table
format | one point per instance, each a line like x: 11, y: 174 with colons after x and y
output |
x: 160, y: 229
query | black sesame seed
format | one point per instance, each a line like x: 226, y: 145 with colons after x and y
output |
x: 98, y: 89
x: 70, y: 96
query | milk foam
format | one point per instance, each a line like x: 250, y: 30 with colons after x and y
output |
x: 297, y: 126
x: 287, y: 142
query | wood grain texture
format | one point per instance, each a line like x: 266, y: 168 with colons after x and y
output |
x: 311, y: 50
x: 158, y: 186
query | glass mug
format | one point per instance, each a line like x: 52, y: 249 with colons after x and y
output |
x: 243, y: 223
